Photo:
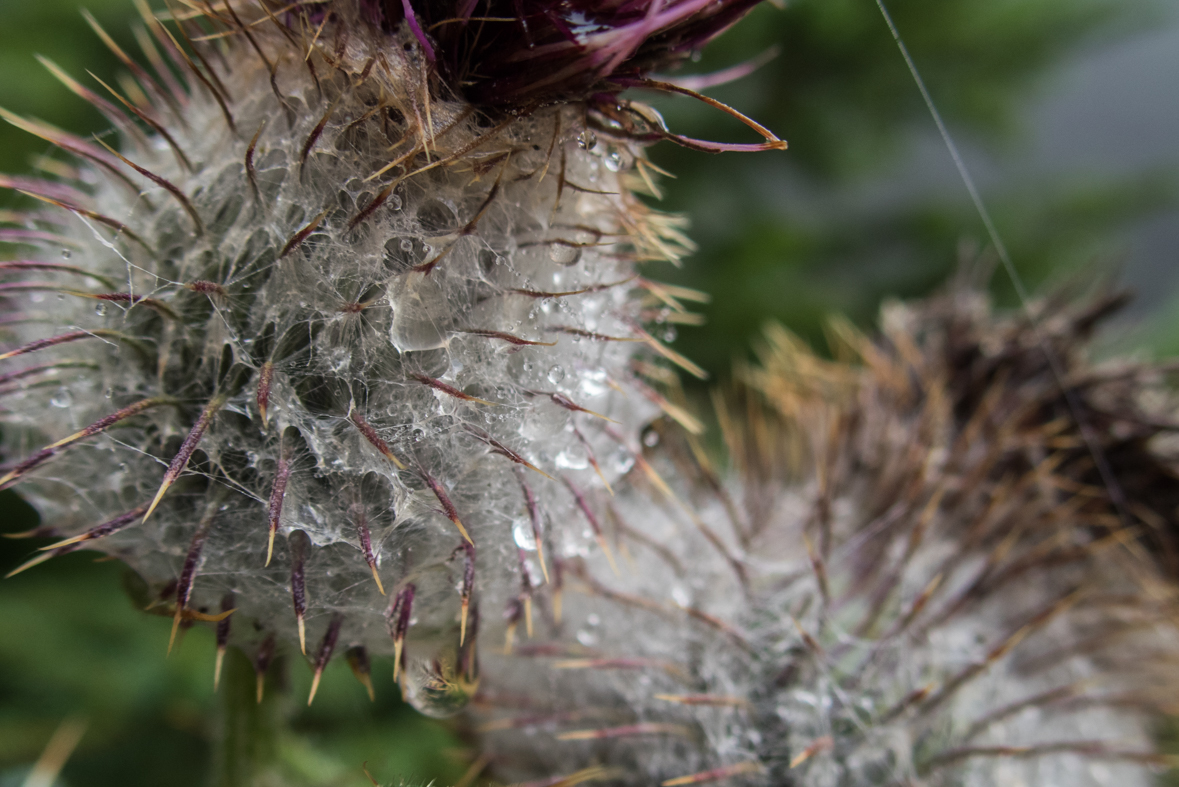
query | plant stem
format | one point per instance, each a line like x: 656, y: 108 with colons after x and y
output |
x: 247, y: 743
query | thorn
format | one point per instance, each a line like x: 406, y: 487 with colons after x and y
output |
x: 593, y: 521
x: 594, y: 337
x: 188, y: 570
x: 315, y: 134
x: 593, y: 460
x: 397, y: 619
x: 583, y: 291
x: 468, y: 550
x: 501, y: 449
x: 61, y: 745
x: 52, y: 341
x: 298, y: 542
x: 569, y: 404
x: 156, y: 126
x: 261, y: 662
x: 162, y: 183
x: 277, y: 496
x: 93, y: 429
x: 250, y: 173
x: 447, y: 507
x: 714, y: 700
x: 99, y: 531
x: 671, y: 355
x: 265, y: 377
x: 371, y: 435
x: 534, y: 518
x: 626, y: 731
x: 222, y: 639
x: 175, y: 628
x: 558, y: 589
x: 438, y: 385
x: 36, y: 560
x: 217, y: 664
x: 326, y: 646
x: 594, y: 773
x: 826, y: 743
x: 300, y: 236
x: 358, y: 661
x: 509, y: 338
x: 366, y: 544
x: 187, y: 448
x: 716, y: 774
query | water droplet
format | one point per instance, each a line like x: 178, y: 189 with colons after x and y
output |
x: 556, y: 375
x: 66, y: 254
x: 617, y: 160
x: 669, y: 334
x: 394, y: 202
x: 100, y: 309
x: 522, y: 534
x: 593, y: 619
x: 437, y: 686
x: 622, y: 461
x: 63, y: 398
x: 651, y: 438
x: 563, y: 253
x: 407, y: 245
x: 587, y: 638
x: 527, y: 366
x: 587, y: 140
x: 572, y: 460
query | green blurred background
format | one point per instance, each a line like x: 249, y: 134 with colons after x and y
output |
x: 1067, y: 114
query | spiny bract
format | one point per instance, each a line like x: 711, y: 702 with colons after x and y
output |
x: 323, y: 328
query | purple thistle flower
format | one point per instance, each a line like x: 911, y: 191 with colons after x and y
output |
x: 518, y: 53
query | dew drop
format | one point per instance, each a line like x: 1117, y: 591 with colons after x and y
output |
x: 669, y: 334
x: 100, y: 309
x: 556, y: 375
x: 436, y: 686
x: 407, y: 245
x: 571, y: 460
x: 587, y: 638
x: 622, y: 461
x: 523, y: 536
x: 651, y: 438
x: 617, y: 160
x: 564, y: 254
x: 63, y: 398
x: 66, y: 254
x: 394, y: 202
x: 587, y: 140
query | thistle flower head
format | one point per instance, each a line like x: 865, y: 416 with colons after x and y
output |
x: 323, y: 353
